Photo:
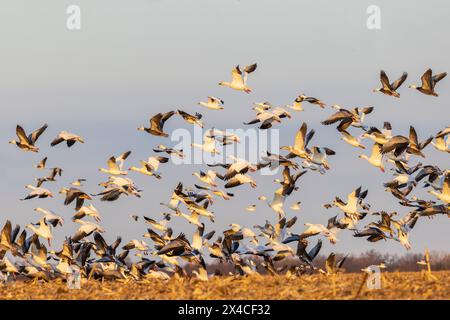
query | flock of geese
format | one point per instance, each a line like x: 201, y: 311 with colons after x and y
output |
x: 162, y: 253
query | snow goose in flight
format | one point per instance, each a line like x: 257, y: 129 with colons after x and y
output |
x: 302, y: 138
x: 209, y: 145
x: 388, y: 88
x: 53, y: 173
x: 37, y: 192
x: 295, y: 206
x: 192, y: 119
x: 150, y: 166
x: 319, y: 156
x: 41, y: 164
x: 217, y: 192
x: 348, y: 118
x: 444, y: 195
x: 136, y: 244
x: 379, y: 136
x: 113, y: 167
x: 441, y: 144
x: 397, y: 144
x: 251, y: 208
x: 415, y: 147
x: 86, y: 229
x: 157, y: 124
x: 429, y: 82
x: 89, y: 210
x: 50, y: 217
x: 25, y: 142
x: 296, y: 105
x: 78, y: 182
x: 70, y: 139
x: 177, y: 247
x: 74, y: 194
x: 170, y: 151
x: 312, y: 100
x: 224, y: 137
x: 351, y: 140
x: 213, y: 103
x: 239, y: 80
x: 208, y: 178
x: 240, y: 179
x: 42, y: 231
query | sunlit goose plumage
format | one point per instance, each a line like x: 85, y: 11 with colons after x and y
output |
x: 209, y: 145
x: 209, y: 177
x: 70, y: 139
x: 50, y: 217
x: 239, y: 80
x: 444, y: 195
x: 25, y: 142
x: 41, y: 164
x: 192, y: 119
x: 170, y: 151
x: 388, y: 88
x: 85, y: 229
x: 441, y: 143
x: 74, y: 194
x: 312, y: 100
x: 213, y: 103
x: 240, y: 179
x: 351, y: 140
x: 429, y: 82
x: 157, y: 124
x: 37, y: 192
x: 42, y: 231
x: 302, y: 138
x: 89, y: 210
x: 376, y: 157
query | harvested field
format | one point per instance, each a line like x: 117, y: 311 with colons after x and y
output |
x: 395, y: 285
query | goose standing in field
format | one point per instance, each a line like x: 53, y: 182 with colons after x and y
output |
x: 74, y: 194
x: 351, y: 140
x: 170, y: 151
x: 376, y: 157
x: 69, y: 138
x: 41, y: 164
x: 441, y: 144
x: 192, y: 119
x: 388, y: 88
x: 213, y: 103
x: 37, y: 192
x: 157, y: 124
x: 50, y: 217
x: 429, y: 82
x: 42, y: 231
x: 239, y: 80
x: 25, y: 142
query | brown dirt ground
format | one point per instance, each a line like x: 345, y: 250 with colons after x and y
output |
x: 395, y: 285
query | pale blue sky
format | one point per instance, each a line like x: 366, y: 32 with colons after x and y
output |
x: 130, y: 61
